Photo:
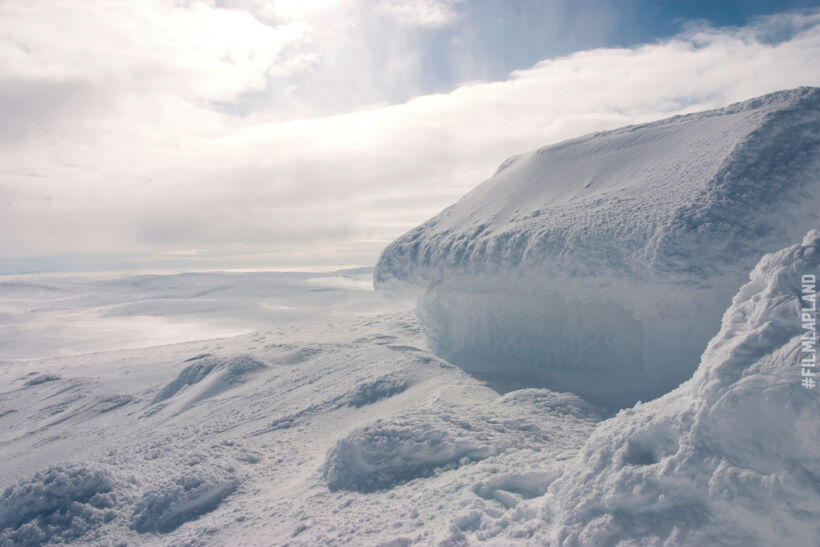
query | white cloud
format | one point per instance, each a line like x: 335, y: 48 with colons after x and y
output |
x: 424, y: 13
x: 114, y: 145
x: 194, y: 50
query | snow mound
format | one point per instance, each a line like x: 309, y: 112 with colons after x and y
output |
x: 390, y: 452
x: 425, y: 442
x: 602, y: 265
x: 185, y: 499
x: 730, y: 457
x: 381, y: 388
x: 387, y: 453
x: 35, y: 379
x: 57, y: 505
x: 209, y: 376
x: 551, y: 403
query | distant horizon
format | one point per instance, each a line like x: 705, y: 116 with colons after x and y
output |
x: 181, y: 270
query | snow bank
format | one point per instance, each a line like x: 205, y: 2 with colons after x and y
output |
x: 58, y: 505
x: 731, y: 456
x: 602, y: 265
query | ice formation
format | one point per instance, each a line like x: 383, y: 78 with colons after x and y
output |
x: 728, y: 458
x: 602, y: 265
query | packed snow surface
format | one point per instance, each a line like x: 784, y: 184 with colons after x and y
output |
x: 602, y: 265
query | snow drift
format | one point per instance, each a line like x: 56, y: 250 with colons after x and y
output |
x: 60, y: 504
x: 602, y: 265
x: 186, y: 498
x: 729, y: 457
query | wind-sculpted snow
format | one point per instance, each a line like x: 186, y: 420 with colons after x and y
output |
x: 370, y: 392
x: 207, y: 377
x: 388, y: 453
x: 602, y: 265
x: 184, y: 499
x: 58, y: 505
x: 385, y: 454
x: 731, y: 456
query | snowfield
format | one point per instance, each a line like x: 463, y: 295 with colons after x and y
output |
x: 503, y: 410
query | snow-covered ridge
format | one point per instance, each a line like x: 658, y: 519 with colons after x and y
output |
x: 633, y: 200
x: 602, y: 265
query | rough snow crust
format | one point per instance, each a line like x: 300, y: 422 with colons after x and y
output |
x: 728, y: 458
x: 343, y: 433
x: 60, y: 504
x: 602, y: 265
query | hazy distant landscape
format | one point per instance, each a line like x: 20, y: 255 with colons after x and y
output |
x: 50, y: 315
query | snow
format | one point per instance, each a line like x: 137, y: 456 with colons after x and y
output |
x: 602, y: 265
x: 728, y: 457
x: 186, y: 498
x: 45, y: 315
x: 336, y: 432
x: 206, y: 377
x: 339, y: 415
x: 59, y: 504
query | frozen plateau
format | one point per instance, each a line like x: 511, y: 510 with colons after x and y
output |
x: 600, y: 345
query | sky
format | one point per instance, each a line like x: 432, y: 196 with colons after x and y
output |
x: 272, y: 134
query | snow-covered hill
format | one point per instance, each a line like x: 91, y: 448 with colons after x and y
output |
x: 602, y: 265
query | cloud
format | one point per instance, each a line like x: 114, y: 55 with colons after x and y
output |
x: 424, y: 13
x: 194, y: 50
x: 115, y: 145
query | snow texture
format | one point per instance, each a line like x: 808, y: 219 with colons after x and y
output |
x: 207, y: 377
x: 166, y: 508
x: 731, y: 456
x: 385, y: 454
x: 602, y: 265
x: 60, y: 504
x: 370, y: 392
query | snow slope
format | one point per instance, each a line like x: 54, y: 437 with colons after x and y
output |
x: 602, y: 265
x: 325, y: 433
